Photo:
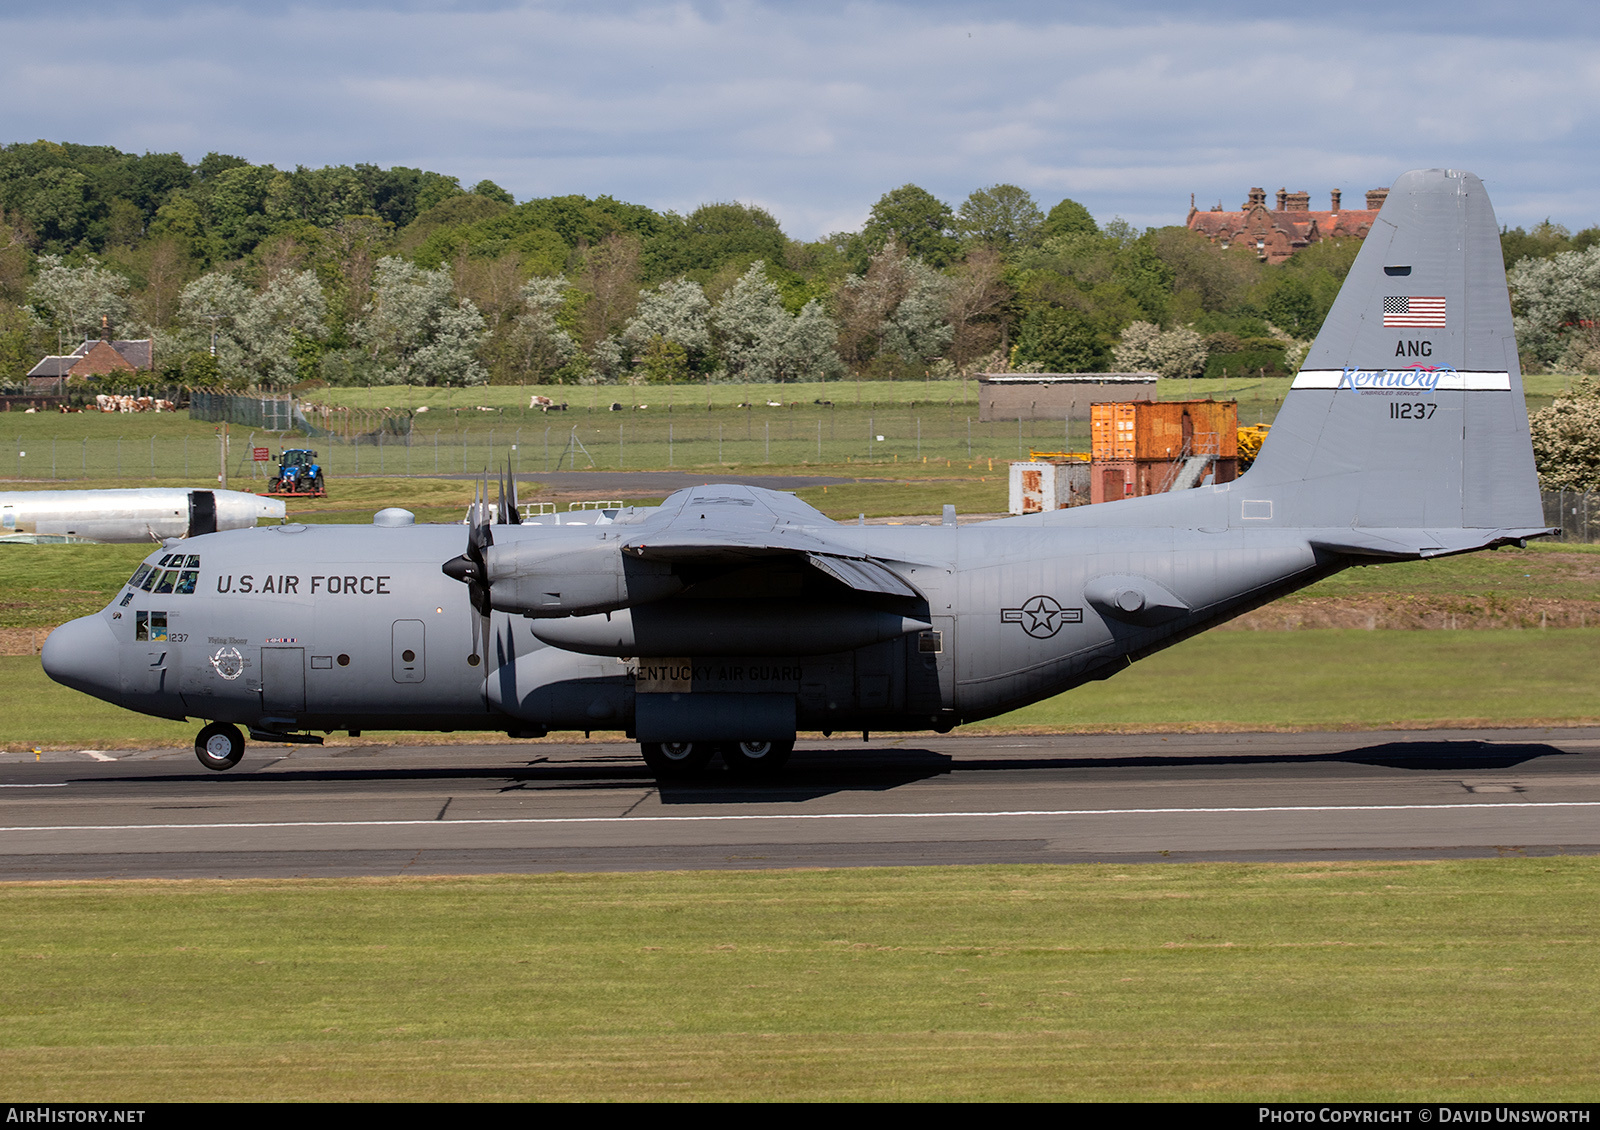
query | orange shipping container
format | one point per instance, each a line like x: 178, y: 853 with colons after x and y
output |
x: 1164, y: 429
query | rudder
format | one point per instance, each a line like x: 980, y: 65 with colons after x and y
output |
x: 1408, y: 412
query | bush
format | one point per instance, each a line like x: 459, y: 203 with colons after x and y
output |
x: 1566, y: 440
x: 1247, y: 364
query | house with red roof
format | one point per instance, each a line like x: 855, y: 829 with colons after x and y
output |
x: 1274, y: 234
x: 92, y: 359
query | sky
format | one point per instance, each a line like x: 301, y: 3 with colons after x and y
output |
x: 814, y: 110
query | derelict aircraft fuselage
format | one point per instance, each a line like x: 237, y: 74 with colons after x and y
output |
x: 129, y: 514
x: 729, y: 618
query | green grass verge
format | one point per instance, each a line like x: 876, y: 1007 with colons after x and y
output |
x: 1466, y: 981
x: 1339, y: 680
x: 1223, y: 680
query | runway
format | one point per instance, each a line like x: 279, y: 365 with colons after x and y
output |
x: 534, y: 807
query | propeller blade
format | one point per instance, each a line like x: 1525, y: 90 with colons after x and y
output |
x: 514, y: 512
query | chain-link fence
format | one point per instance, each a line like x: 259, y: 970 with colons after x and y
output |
x: 373, y: 442
x: 269, y: 413
x: 1577, y: 512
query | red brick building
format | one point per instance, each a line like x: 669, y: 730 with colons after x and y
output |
x: 1274, y: 234
x: 92, y: 358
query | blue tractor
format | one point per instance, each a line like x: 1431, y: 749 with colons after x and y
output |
x: 298, y: 473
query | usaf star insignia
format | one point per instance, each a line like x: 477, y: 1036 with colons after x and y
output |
x: 1041, y: 616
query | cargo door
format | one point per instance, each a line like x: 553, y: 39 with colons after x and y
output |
x: 408, y: 659
x: 1113, y: 484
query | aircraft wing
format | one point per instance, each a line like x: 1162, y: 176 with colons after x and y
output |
x: 734, y: 525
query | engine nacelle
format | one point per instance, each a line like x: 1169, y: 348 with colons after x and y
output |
x: 560, y: 576
x: 716, y: 627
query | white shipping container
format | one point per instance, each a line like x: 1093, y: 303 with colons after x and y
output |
x: 1048, y: 486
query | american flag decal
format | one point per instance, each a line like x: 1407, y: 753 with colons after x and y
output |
x: 1400, y: 310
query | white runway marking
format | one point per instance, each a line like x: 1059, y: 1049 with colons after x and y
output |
x: 45, y: 785
x: 776, y: 816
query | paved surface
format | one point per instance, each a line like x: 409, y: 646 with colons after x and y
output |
x: 377, y: 810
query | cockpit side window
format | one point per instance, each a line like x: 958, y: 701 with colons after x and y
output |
x: 139, y: 575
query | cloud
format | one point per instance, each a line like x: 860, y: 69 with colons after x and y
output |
x: 815, y: 110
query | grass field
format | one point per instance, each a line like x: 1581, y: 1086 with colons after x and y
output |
x: 1468, y: 981
x: 927, y: 427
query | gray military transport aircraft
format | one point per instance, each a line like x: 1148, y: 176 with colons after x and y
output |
x: 729, y: 618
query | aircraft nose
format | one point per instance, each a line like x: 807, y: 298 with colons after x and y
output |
x: 82, y: 654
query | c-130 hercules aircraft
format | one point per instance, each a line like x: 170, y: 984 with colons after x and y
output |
x: 729, y: 618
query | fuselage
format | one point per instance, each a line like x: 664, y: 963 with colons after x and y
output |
x: 131, y: 515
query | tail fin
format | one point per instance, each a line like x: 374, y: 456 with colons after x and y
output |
x: 1407, y: 416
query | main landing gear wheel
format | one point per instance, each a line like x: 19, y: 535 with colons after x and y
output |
x: 677, y: 759
x: 219, y: 746
x: 756, y: 759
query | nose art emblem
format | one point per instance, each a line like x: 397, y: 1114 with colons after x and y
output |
x: 228, y: 663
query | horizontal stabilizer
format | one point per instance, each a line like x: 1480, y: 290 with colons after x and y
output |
x: 1409, y: 544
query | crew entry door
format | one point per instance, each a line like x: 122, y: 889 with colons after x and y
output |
x: 283, y: 680
x: 408, y: 651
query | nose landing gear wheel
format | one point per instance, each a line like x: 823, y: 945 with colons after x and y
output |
x: 676, y: 759
x: 219, y: 746
x: 756, y: 759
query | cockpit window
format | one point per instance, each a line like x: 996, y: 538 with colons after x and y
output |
x: 175, y: 573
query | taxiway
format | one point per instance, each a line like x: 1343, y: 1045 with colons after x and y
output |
x: 527, y: 807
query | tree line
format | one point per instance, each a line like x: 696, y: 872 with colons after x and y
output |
x: 250, y: 275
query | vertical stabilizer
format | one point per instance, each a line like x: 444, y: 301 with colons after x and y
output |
x: 1408, y: 412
